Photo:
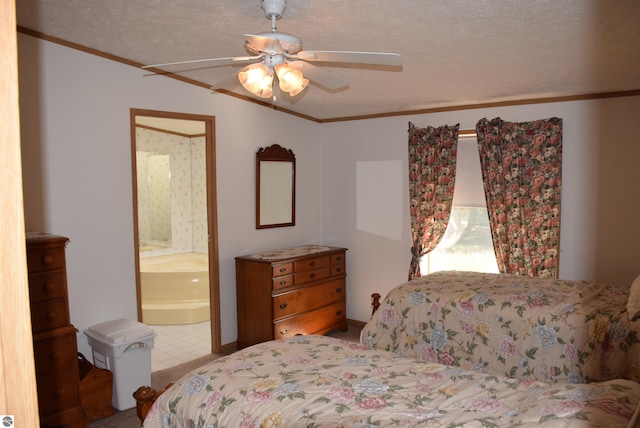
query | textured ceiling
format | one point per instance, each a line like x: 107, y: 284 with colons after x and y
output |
x: 454, y: 52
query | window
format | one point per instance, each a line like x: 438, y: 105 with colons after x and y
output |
x: 466, y: 244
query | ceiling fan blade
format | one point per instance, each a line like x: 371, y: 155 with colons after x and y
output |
x: 319, y: 76
x: 377, y: 58
x: 223, y: 61
x: 261, y: 43
x: 228, y: 83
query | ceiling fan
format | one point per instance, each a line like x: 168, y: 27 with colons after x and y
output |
x: 281, y: 54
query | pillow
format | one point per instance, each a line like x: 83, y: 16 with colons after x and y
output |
x: 633, y: 304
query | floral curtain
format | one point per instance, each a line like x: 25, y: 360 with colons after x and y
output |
x: 432, y: 170
x: 521, y: 171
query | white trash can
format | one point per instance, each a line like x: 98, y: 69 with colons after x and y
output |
x: 124, y: 348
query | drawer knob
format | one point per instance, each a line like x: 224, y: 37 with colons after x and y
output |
x: 284, y: 332
x: 338, y: 290
x: 60, y: 392
x: 313, y: 275
x: 283, y: 282
x: 338, y: 313
x: 49, y: 286
x: 312, y: 264
x: 339, y: 258
x: 339, y: 270
x: 56, y: 356
x: 283, y: 306
x: 47, y: 260
x: 283, y: 269
x: 51, y: 316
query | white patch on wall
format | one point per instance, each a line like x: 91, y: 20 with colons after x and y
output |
x: 379, y: 198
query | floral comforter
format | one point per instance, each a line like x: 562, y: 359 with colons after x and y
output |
x: 521, y: 327
x: 314, y: 381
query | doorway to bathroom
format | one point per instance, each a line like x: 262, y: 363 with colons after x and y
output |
x: 175, y: 233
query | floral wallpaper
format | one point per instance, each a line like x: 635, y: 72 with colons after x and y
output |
x: 188, y: 195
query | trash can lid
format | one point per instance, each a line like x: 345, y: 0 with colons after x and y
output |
x: 120, y: 331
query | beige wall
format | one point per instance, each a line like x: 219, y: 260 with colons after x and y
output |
x: 81, y: 187
x: 617, y: 231
x: 77, y: 172
x: 600, y: 196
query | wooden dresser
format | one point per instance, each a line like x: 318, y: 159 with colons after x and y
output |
x: 283, y: 293
x: 54, y: 338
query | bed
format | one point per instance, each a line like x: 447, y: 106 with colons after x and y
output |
x: 517, y: 326
x: 316, y: 381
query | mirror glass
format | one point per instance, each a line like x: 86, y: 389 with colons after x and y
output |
x: 171, y: 183
x: 275, y: 204
x: 275, y: 187
x: 154, y: 199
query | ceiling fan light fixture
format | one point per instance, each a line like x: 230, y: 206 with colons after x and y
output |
x: 290, y: 79
x: 257, y: 79
x: 282, y: 57
x: 300, y: 88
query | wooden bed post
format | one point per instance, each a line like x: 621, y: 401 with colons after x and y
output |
x: 375, y: 302
x: 145, y: 397
x: 144, y: 400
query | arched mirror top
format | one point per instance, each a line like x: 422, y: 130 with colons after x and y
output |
x: 275, y: 187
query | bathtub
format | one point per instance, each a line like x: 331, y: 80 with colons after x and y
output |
x: 175, y: 289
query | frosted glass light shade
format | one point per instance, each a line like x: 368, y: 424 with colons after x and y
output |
x: 290, y: 79
x: 256, y: 79
x: 300, y: 88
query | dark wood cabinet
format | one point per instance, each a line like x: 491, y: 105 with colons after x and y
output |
x: 54, y: 337
x: 292, y: 291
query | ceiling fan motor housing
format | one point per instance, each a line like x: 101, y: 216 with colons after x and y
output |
x: 274, y: 8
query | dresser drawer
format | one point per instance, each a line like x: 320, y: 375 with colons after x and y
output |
x: 48, y: 315
x: 45, y: 259
x: 318, y: 321
x: 314, y: 263
x: 338, y: 259
x: 337, y: 270
x: 282, y: 282
x: 284, y: 269
x: 338, y: 264
x: 309, y: 298
x: 47, y: 286
x: 54, y: 338
x: 312, y: 275
x: 55, y: 354
x: 57, y: 392
x: 293, y: 290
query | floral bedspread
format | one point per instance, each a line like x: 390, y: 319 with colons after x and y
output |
x: 314, y: 381
x: 522, y: 327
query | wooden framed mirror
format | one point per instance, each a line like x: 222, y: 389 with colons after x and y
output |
x: 275, y: 187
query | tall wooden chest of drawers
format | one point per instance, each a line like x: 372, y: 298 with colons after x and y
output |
x: 283, y: 293
x: 54, y: 338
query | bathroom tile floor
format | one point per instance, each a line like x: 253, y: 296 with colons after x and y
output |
x: 177, y: 344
